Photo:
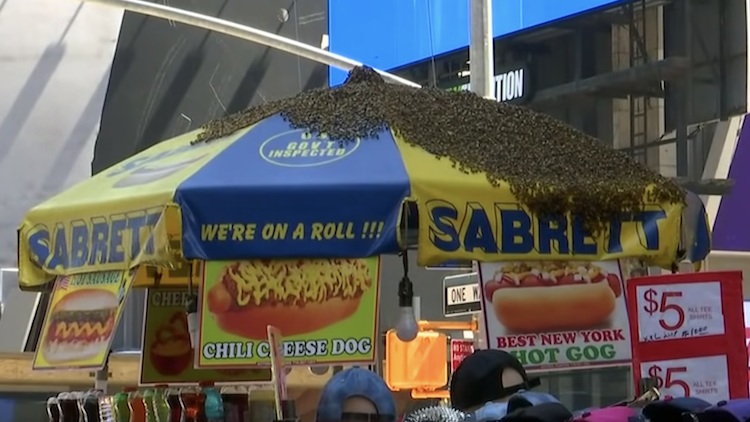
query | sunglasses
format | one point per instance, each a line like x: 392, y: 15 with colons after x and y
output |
x: 525, y: 386
x: 484, y: 396
x: 365, y: 417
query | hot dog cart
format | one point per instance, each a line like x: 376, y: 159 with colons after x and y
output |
x: 277, y: 216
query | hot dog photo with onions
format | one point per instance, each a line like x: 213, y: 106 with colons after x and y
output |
x: 556, y: 314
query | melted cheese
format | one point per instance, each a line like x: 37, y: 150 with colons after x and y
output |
x: 309, y: 280
x: 554, y: 268
x: 65, y: 330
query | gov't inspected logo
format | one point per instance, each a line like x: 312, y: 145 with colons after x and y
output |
x: 300, y: 148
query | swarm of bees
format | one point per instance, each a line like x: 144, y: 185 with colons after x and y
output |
x: 551, y: 167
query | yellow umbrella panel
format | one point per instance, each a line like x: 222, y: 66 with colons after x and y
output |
x: 463, y: 217
x: 116, y: 220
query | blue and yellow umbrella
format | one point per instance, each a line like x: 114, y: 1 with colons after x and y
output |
x: 270, y: 191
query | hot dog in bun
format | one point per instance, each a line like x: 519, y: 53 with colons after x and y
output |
x: 529, y: 297
x: 80, y: 326
x: 295, y: 296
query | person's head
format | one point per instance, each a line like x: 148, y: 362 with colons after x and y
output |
x: 488, y: 376
x: 356, y: 395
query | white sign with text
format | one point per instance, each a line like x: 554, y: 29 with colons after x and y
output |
x: 703, y: 377
x: 680, y: 310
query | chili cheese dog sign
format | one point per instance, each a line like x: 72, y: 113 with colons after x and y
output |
x: 326, y: 311
x: 556, y: 314
x: 167, y: 353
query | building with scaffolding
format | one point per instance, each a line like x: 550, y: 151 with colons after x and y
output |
x: 652, y: 78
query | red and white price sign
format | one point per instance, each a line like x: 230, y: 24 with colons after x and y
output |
x: 680, y: 310
x: 688, y: 333
x: 460, y: 349
x: 705, y: 377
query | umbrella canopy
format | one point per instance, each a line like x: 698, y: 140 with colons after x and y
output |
x: 273, y: 191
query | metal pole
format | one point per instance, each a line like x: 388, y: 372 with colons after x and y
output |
x: 100, y: 378
x: 479, y: 335
x: 694, y: 145
x: 481, y: 82
x: 683, y: 144
x: 481, y: 54
x: 246, y: 33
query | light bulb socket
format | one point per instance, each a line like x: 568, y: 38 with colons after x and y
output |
x: 191, y: 313
x: 288, y: 409
x: 192, y: 304
x: 405, y: 293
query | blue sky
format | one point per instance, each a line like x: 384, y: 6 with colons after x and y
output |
x: 389, y: 33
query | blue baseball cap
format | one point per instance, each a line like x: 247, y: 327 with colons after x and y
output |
x: 737, y: 410
x: 355, y: 382
x: 528, y: 399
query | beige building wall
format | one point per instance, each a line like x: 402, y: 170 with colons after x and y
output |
x: 54, y: 69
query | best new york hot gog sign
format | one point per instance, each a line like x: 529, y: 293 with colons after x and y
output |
x: 556, y: 314
x: 326, y: 310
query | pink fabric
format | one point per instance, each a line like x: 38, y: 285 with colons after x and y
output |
x: 608, y: 414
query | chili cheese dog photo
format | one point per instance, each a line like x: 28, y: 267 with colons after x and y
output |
x: 543, y: 296
x: 296, y: 297
x: 80, y: 326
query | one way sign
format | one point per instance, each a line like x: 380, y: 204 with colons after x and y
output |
x: 461, y: 294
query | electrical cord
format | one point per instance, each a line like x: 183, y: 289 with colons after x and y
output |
x: 433, y: 82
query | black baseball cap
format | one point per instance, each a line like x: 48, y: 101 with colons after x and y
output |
x: 672, y: 409
x: 478, y: 379
x: 545, y: 412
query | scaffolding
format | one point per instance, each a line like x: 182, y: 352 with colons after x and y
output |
x: 639, y: 103
x: 653, y: 84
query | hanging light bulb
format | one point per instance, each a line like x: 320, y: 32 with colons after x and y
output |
x: 406, y: 326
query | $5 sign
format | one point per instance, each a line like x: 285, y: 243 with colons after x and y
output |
x: 654, y: 302
x: 706, y: 377
x: 669, y: 378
